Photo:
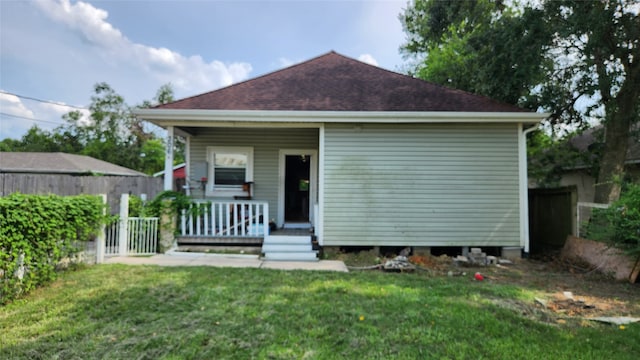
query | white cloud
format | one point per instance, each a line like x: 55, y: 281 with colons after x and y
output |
x: 284, y: 62
x: 368, y: 58
x: 14, y: 120
x: 381, y: 31
x: 90, y: 21
x: 189, y: 74
x: 18, y: 115
x: 12, y: 104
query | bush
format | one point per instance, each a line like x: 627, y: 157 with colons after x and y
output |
x: 619, y: 225
x: 179, y: 201
x: 37, y: 232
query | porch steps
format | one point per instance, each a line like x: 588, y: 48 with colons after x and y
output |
x: 288, y: 248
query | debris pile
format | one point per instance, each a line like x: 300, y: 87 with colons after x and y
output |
x: 477, y: 257
x: 399, y: 263
x: 567, y: 304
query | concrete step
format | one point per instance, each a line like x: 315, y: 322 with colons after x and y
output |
x: 292, y: 256
x: 267, y: 248
x: 283, y: 239
x: 289, y: 248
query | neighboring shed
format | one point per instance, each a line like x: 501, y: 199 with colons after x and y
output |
x: 359, y: 155
x: 68, y: 174
x: 179, y: 177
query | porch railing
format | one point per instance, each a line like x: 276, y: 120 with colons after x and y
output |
x: 237, y: 218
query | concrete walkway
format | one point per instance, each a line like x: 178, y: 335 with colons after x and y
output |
x: 225, y: 260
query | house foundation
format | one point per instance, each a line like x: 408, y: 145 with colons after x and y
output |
x: 511, y: 253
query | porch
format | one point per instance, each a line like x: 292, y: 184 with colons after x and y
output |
x: 243, y: 223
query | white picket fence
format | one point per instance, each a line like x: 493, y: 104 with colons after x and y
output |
x: 583, y: 213
x: 132, y: 236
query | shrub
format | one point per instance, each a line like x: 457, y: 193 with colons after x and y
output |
x: 619, y: 225
x: 179, y: 201
x: 37, y: 232
x: 136, y: 206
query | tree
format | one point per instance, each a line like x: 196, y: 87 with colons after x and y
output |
x: 600, y: 44
x: 478, y: 46
x: 111, y: 133
x: 556, y: 56
x: 35, y: 140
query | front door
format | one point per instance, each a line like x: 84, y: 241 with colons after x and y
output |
x: 297, y: 188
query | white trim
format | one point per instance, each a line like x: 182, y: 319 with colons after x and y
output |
x: 523, y: 185
x: 595, y: 205
x: 192, y: 117
x: 313, y: 181
x: 319, y: 227
x: 211, y: 189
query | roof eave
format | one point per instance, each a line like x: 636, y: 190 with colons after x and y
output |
x: 191, y: 117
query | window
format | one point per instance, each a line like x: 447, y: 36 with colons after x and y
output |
x: 229, y: 169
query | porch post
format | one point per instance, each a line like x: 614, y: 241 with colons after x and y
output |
x: 168, y: 160
x: 123, y: 226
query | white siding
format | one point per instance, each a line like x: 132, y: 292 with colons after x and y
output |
x: 428, y: 185
x: 266, y: 145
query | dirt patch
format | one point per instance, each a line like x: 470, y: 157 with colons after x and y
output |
x: 572, y: 289
x: 569, y: 289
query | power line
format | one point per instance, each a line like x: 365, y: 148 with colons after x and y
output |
x: 28, y: 118
x: 43, y: 101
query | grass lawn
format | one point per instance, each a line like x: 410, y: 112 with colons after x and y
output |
x: 148, y: 312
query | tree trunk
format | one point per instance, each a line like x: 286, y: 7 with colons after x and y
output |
x: 617, y: 130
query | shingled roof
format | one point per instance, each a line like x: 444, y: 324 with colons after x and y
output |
x: 59, y: 163
x: 333, y: 82
x: 593, y: 137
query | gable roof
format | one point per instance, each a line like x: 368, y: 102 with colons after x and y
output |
x: 333, y: 82
x: 59, y: 163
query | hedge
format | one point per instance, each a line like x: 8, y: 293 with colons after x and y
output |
x: 37, y: 232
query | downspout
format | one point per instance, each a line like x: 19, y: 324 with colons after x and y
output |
x: 524, y: 185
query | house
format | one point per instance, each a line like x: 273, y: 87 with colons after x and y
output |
x: 581, y: 175
x: 355, y: 155
x: 179, y: 177
x: 68, y: 174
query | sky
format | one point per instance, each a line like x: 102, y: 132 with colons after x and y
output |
x: 52, y: 52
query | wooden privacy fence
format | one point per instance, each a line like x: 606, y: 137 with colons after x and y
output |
x: 551, y: 218
x: 63, y: 184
